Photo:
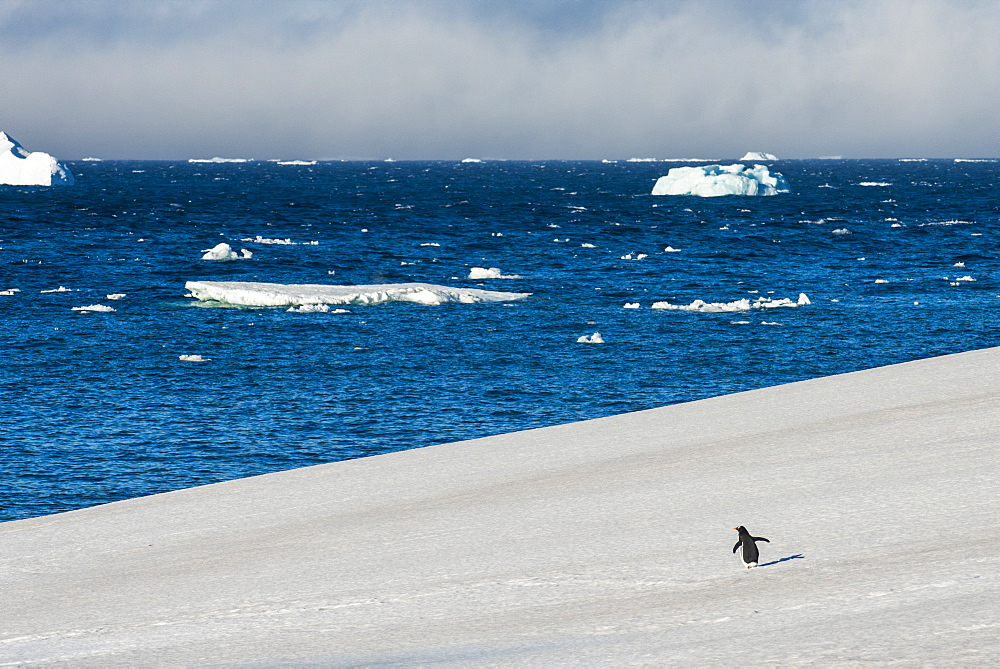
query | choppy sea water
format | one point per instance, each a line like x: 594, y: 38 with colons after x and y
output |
x: 899, y: 261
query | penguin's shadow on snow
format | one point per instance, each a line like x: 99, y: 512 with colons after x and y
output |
x: 798, y: 556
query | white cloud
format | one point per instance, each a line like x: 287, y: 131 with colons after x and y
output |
x: 533, y: 80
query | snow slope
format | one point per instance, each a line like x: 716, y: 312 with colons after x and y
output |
x: 20, y: 167
x: 601, y: 543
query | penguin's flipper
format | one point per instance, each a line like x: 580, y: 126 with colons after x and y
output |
x: 761, y: 539
x: 737, y: 545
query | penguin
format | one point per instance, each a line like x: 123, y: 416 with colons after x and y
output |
x: 749, y: 554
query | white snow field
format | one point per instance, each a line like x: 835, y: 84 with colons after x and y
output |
x: 20, y: 167
x: 601, y: 543
x: 243, y: 293
x: 716, y: 180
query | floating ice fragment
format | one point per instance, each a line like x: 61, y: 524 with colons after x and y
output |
x: 224, y: 251
x: 759, y: 155
x: 430, y: 244
x: 841, y: 231
x: 490, y: 273
x: 875, y: 183
x: 738, y: 305
x: 295, y: 162
x: 472, y: 160
x: 631, y: 305
x: 595, y: 338
x: 310, y: 309
x: 715, y: 180
x: 115, y: 296
x: 959, y: 264
x: 193, y: 358
x: 93, y: 307
x: 587, y: 245
x: 10, y: 291
x: 671, y: 249
x: 881, y: 280
x: 60, y: 289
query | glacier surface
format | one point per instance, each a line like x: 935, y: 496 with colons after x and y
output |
x: 715, y: 180
x: 252, y: 294
x: 20, y: 167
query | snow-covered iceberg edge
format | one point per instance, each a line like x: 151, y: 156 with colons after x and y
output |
x: 20, y: 167
x: 715, y: 180
x: 250, y: 294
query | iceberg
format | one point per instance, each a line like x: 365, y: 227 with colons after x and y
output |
x: 19, y: 167
x: 251, y: 294
x: 715, y: 180
x: 759, y: 155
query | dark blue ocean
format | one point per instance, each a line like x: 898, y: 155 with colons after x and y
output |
x: 98, y: 406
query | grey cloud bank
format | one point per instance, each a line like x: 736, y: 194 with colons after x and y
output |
x: 523, y: 80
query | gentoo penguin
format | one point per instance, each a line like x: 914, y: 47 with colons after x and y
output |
x: 749, y: 554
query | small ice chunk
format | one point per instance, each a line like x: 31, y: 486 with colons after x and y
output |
x: 224, y: 251
x: 959, y: 264
x: 490, y: 273
x: 587, y: 245
x: 115, y: 296
x: 841, y: 231
x: 10, y: 291
x: 631, y: 305
x: 60, y: 289
x: 94, y: 307
x: 193, y: 358
x: 310, y: 309
x: 671, y: 249
x: 595, y: 338
x: 759, y: 155
x: 881, y: 280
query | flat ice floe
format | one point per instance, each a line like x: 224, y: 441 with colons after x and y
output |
x: 716, y: 180
x: 739, y: 305
x: 250, y: 294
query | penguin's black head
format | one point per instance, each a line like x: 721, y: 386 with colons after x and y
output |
x: 740, y: 529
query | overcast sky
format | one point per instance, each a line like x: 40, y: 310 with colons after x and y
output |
x: 504, y: 79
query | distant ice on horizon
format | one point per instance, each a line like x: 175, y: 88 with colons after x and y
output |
x: 758, y: 155
x: 20, y: 167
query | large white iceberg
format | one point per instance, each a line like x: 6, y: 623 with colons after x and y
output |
x: 19, y: 167
x: 714, y: 180
x: 243, y: 293
x: 759, y: 155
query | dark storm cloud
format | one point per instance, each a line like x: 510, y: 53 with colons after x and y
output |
x: 449, y: 79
